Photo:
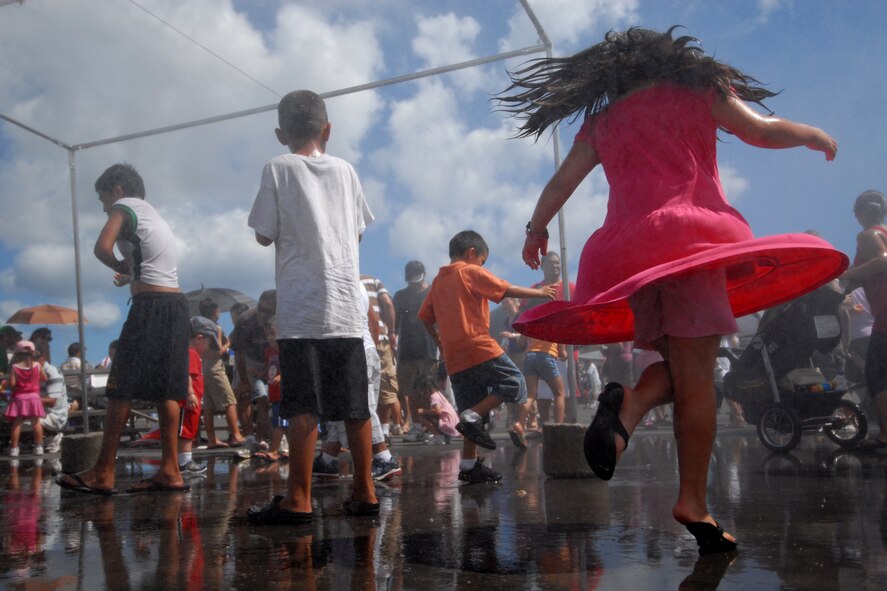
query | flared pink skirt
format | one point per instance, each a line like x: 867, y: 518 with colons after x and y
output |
x: 26, y: 405
x: 760, y: 273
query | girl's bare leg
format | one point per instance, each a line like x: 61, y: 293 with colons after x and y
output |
x: 524, y: 409
x: 654, y: 388
x: 15, y: 432
x: 38, y: 431
x: 692, y: 362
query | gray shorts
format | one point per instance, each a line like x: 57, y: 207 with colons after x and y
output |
x: 499, y: 377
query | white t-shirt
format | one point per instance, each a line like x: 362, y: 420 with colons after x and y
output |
x: 147, y: 243
x: 314, y: 210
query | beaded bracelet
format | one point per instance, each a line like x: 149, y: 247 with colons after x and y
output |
x: 531, y: 232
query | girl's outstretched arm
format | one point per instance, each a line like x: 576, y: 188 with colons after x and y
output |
x: 579, y: 162
x: 762, y: 131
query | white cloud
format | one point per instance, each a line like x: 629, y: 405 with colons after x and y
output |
x: 569, y: 23
x: 448, y: 39
x: 102, y: 314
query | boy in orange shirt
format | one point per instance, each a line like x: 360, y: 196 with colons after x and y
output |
x: 457, y: 316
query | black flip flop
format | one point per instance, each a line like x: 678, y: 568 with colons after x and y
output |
x: 600, y: 438
x: 79, y: 485
x: 273, y: 514
x: 710, y: 538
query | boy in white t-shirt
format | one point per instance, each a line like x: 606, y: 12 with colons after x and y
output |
x: 311, y: 207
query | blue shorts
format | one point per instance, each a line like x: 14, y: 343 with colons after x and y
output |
x: 499, y: 377
x: 276, y: 421
x: 541, y: 364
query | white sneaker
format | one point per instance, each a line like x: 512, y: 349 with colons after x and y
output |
x: 13, y: 452
x: 38, y: 450
x: 284, y: 445
x: 53, y: 443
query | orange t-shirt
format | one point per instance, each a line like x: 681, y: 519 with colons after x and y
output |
x: 457, y: 303
x: 537, y: 346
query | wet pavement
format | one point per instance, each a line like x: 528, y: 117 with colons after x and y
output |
x: 815, y: 518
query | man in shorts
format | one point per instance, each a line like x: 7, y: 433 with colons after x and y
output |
x: 249, y: 341
x: 152, y: 353
x: 416, y: 350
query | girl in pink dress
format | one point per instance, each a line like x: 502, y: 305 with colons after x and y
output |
x: 674, y: 263
x: 25, y: 375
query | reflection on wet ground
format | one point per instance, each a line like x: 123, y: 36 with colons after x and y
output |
x: 813, y: 519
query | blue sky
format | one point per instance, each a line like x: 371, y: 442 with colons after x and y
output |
x: 433, y: 155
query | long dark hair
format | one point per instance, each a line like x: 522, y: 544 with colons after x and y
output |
x: 552, y: 89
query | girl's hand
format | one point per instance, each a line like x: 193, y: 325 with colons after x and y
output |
x: 823, y: 142
x: 192, y: 402
x: 535, y: 247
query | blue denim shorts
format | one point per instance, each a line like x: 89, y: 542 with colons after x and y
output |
x: 499, y: 377
x: 541, y: 365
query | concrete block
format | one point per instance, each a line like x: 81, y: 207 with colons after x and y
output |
x: 80, y: 451
x: 562, y: 455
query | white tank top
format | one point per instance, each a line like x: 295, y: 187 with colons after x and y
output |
x: 147, y: 243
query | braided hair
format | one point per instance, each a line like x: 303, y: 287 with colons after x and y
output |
x: 552, y: 89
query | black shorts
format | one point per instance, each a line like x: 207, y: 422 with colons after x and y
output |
x: 324, y: 377
x: 876, y: 364
x: 152, y: 353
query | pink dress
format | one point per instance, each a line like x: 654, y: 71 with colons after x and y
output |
x: 25, y: 401
x: 667, y: 214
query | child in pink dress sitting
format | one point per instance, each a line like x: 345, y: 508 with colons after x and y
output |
x: 25, y: 375
x: 440, y: 418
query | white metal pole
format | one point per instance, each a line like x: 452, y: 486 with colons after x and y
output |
x: 84, y: 394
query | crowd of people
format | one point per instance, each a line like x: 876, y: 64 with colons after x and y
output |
x: 330, y: 353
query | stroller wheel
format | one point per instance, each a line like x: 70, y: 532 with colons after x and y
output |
x: 779, y: 428
x: 847, y: 424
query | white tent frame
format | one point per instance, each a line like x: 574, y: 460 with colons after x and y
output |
x: 544, y: 45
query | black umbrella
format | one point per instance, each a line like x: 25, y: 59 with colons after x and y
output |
x: 224, y: 297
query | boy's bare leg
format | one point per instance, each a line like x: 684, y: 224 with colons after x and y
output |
x: 360, y: 438
x: 302, y: 436
x: 168, y: 413
x: 101, y: 475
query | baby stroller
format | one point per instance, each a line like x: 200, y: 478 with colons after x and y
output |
x: 774, y: 381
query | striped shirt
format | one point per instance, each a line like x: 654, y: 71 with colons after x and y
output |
x: 375, y: 288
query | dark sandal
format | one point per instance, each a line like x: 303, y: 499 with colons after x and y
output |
x: 79, y: 485
x: 360, y: 508
x: 273, y: 514
x: 710, y: 538
x: 600, y: 438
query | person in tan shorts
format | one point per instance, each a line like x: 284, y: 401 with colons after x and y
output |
x: 218, y: 396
